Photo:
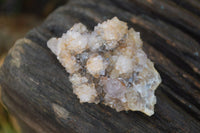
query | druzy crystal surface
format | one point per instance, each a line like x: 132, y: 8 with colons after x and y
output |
x: 108, y: 66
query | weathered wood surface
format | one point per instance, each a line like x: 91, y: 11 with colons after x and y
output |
x: 35, y: 87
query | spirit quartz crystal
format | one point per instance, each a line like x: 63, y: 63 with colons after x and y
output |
x: 108, y: 65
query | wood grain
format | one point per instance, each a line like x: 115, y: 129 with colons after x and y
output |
x: 36, y: 89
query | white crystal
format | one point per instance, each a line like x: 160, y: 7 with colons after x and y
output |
x: 95, y: 65
x: 77, y: 79
x: 124, y: 64
x: 68, y: 61
x: 75, y: 41
x: 54, y: 45
x: 112, y: 31
x: 86, y: 92
x: 95, y: 41
x: 108, y: 63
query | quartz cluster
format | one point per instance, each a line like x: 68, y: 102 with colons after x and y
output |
x: 108, y: 65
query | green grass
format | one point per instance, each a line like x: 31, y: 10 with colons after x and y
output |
x: 8, y: 123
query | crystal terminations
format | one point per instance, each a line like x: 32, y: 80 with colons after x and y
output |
x: 108, y: 65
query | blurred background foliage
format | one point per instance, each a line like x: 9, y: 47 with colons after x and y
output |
x: 16, y: 18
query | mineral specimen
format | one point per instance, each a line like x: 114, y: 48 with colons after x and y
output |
x: 108, y: 65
